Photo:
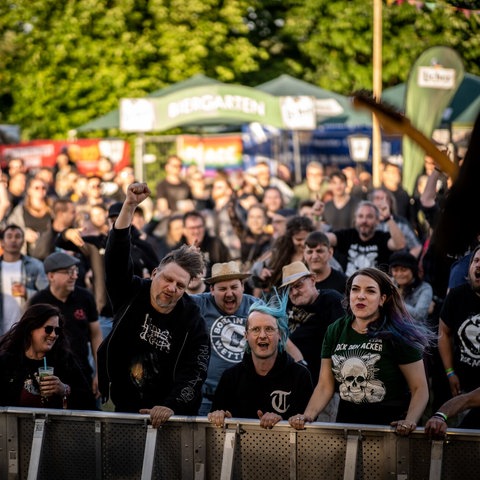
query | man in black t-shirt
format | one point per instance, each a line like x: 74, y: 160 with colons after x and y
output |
x: 310, y: 312
x: 459, y: 332
x: 173, y: 193
x: 363, y: 246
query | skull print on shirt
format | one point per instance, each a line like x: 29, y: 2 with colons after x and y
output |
x: 356, y: 376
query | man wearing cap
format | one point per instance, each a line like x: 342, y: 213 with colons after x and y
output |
x: 310, y: 312
x: 77, y: 306
x: 155, y: 359
x: 225, y: 310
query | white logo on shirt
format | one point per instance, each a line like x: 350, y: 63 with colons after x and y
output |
x: 227, y: 336
x: 160, y: 339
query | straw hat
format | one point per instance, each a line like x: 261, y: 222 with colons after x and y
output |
x: 293, y: 272
x: 225, y: 271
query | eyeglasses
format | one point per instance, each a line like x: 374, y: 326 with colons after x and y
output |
x: 255, y: 331
x: 49, y: 329
x: 298, y: 285
x: 71, y: 272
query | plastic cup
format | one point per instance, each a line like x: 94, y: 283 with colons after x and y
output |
x: 42, y: 373
x: 45, y: 372
x: 18, y: 287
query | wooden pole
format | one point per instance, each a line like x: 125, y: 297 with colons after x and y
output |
x: 377, y: 91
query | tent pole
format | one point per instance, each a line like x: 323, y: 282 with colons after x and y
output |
x: 377, y: 91
x: 139, y: 144
x: 297, y: 160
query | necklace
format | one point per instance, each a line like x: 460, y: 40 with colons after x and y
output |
x: 359, y: 329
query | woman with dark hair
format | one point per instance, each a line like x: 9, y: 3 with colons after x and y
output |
x: 416, y: 293
x: 36, y: 340
x: 287, y: 249
x: 373, y: 357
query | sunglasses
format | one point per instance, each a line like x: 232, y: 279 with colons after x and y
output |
x: 71, y: 272
x: 49, y: 329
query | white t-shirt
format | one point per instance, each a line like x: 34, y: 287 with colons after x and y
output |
x: 12, y: 306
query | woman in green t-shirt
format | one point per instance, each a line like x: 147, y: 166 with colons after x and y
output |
x: 373, y: 357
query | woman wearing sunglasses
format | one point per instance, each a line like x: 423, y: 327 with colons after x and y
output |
x: 37, y: 340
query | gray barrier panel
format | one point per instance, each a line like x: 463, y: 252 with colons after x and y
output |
x: 66, y: 445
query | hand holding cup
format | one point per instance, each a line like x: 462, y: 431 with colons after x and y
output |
x: 18, y: 288
x: 49, y: 383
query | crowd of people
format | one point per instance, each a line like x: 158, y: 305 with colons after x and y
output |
x: 238, y: 294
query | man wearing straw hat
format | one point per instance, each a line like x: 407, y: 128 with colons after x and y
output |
x: 225, y: 309
x: 310, y: 312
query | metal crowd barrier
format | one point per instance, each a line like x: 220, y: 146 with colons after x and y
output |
x: 82, y: 445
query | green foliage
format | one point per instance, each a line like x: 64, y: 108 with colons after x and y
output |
x: 64, y: 62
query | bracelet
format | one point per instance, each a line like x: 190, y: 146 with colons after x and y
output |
x: 448, y: 370
x: 441, y: 415
x: 451, y: 374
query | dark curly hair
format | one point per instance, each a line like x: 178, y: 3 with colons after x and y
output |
x: 283, y: 248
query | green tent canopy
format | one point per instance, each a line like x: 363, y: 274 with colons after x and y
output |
x: 112, y: 119
x: 218, y: 104
x: 331, y: 107
x: 286, y: 85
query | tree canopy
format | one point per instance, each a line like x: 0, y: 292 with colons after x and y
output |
x: 65, y: 62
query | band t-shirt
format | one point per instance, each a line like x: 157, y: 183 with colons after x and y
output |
x: 227, y: 336
x: 370, y: 383
x: 354, y: 253
x: 461, y: 313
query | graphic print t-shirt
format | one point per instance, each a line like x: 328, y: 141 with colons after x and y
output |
x: 461, y: 313
x: 366, y: 370
x: 357, y: 254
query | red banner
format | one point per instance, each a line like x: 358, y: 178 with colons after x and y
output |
x: 85, y: 153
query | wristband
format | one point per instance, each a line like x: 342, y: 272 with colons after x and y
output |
x: 66, y: 392
x: 451, y: 374
x: 441, y: 415
x: 448, y: 370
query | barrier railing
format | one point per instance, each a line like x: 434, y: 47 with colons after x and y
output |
x: 70, y: 445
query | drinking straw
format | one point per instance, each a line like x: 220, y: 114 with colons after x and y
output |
x: 45, y: 362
